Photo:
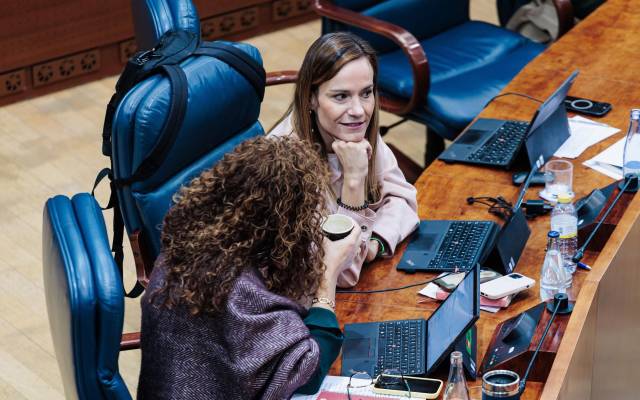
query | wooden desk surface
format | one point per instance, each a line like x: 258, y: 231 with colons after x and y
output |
x: 602, y: 47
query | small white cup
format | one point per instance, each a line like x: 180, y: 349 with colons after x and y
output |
x: 337, y: 226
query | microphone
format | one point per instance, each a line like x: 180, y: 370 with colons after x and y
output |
x: 560, y: 305
x: 499, y: 384
x: 630, y: 180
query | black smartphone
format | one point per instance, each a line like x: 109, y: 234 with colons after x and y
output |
x: 586, y: 106
x: 422, y: 388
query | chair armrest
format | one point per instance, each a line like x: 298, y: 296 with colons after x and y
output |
x: 281, y: 77
x: 407, y: 42
x: 564, y: 8
x: 130, y: 341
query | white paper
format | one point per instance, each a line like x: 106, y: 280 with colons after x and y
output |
x: 490, y: 309
x: 430, y: 290
x: 338, y: 384
x: 609, y: 162
x: 584, y: 133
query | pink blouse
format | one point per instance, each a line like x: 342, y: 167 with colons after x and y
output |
x: 392, y: 218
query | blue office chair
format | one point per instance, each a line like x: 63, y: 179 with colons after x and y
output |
x: 85, y: 299
x: 436, y: 66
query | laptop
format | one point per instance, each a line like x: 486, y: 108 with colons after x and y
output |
x: 500, y: 143
x: 417, y: 346
x: 448, y: 246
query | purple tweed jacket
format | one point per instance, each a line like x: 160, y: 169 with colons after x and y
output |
x: 258, y: 348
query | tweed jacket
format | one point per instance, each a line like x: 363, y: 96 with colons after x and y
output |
x: 258, y: 348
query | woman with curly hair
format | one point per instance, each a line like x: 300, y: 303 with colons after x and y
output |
x: 335, y: 106
x: 242, y: 251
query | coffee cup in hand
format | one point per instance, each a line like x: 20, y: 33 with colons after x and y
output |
x: 337, y: 226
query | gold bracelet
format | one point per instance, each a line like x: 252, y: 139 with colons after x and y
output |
x: 324, y: 300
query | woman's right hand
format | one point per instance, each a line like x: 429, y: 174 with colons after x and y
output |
x: 354, y: 158
x: 338, y: 253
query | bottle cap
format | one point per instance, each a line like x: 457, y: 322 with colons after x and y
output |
x: 553, y: 234
x: 564, y: 198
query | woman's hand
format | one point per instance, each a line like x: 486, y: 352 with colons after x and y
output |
x: 354, y: 158
x: 372, y: 250
x: 337, y: 255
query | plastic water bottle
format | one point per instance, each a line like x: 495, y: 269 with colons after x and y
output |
x: 564, y: 220
x: 554, y: 276
x: 456, y: 384
x: 631, y: 155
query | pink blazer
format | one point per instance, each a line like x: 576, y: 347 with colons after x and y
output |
x: 392, y: 218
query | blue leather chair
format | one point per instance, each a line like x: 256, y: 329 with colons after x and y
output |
x: 222, y: 111
x: 436, y: 66
x: 85, y: 299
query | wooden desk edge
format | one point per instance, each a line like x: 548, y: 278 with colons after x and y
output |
x: 558, y: 374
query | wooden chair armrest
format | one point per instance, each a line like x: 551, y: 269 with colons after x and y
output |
x: 281, y: 77
x: 407, y: 42
x: 564, y: 8
x: 130, y: 341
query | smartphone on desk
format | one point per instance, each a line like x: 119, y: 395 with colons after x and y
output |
x: 505, y: 285
x: 586, y: 106
x: 421, y: 388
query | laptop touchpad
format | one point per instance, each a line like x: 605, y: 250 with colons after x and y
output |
x: 471, y: 136
x: 357, y: 348
x: 427, y: 241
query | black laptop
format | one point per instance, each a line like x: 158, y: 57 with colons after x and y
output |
x: 415, y: 347
x: 500, y: 143
x: 448, y: 246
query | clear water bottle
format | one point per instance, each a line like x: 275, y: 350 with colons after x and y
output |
x: 456, y: 384
x: 631, y: 155
x: 564, y: 220
x: 554, y: 276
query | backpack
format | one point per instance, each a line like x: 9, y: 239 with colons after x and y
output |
x: 165, y: 57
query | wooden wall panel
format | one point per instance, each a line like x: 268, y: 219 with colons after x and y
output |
x: 45, y: 43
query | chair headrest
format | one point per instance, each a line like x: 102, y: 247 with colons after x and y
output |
x: 153, y: 18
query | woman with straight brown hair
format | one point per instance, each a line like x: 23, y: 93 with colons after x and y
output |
x: 335, y: 105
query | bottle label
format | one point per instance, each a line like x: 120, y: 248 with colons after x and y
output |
x: 565, y: 225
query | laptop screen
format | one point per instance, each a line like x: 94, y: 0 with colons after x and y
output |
x: 552, y: 103
x: 453, y: 318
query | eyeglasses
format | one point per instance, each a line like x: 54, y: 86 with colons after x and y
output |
x: 389, y: 379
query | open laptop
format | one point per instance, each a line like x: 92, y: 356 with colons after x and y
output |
x: 438, y: 246
x: 499, y: 143
x: 415, y: 347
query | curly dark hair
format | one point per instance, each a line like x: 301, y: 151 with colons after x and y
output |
x: 260, y: 207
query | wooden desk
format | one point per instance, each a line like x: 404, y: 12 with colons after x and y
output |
x: 598, y: 353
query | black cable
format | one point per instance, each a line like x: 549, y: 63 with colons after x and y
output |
x: 512, y: 94
x: 393, y: 289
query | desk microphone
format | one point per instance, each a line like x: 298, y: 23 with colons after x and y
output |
x: 505, y: 384
x: 630, y: 180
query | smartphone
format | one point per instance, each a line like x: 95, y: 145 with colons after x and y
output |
x: 506, y: 285
x: 586, y: 106
x: 421, y: 388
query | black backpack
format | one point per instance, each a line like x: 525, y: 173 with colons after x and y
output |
x: 164, y: 58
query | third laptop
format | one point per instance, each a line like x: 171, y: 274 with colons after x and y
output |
x: 499, y: 143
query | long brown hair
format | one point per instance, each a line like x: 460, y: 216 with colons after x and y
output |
x: 324, y: 59
x: 260, y: 207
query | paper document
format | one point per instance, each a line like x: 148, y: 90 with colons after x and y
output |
x: 584, y: 133
x: 609, y: 162
x: 338, y: 384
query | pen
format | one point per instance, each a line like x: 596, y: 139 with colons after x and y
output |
x: 583, y: 266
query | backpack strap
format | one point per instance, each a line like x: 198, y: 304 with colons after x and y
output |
x: 238, y: 60
x: 118, y: 230
x: 170, y: 129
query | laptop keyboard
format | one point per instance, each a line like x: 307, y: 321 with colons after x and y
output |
x: 399, y: 347
x: 461, y: 247
x: 502, y: 146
